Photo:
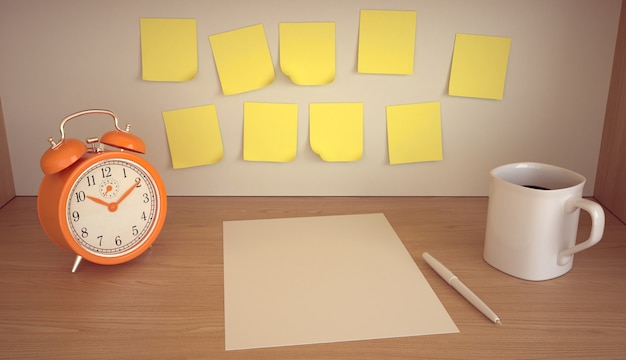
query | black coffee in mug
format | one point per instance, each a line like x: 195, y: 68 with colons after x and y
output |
x: 535, y: 187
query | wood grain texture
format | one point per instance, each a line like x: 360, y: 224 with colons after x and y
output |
x: 7, y: 186
x: 169, y: 302
x: 610, y: 188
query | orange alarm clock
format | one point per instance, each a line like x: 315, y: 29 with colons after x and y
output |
x: 106, y: 205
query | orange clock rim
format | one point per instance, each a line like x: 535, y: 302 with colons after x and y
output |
x: 57, y: 209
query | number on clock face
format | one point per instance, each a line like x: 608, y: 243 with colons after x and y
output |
x: 112, y: 207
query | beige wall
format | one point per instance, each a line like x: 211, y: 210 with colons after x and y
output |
x: 62, y: 56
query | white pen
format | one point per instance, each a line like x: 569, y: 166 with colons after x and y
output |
x: 454, y: 281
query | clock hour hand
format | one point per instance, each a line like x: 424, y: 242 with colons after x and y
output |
x: 97, y: 200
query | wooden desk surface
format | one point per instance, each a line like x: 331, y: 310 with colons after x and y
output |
x: 169, y: 303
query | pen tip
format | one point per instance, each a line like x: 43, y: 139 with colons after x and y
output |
x: 498, y: 322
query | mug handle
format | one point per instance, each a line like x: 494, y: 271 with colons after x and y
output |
x: 597, y: 227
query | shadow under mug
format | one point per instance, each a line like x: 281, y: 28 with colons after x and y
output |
x: 532, y: 220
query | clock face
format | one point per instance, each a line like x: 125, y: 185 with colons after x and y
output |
x: 112, y: 207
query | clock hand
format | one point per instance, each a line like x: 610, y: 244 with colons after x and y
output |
x: 99, y: 201
x: 113, y: 205
x: 124, y: 195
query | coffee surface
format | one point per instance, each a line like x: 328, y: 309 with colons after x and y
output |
x: 535, y: 187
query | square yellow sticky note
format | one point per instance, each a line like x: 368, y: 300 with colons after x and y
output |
x: 479, y: 65
x: 193, y: 135
x: 270, y: 132
x: 414, y: 133
x: 336, y: 130
x: 387, y: 42
x: 243, y: 59
x: 169, y: 49
x: 307, y: 52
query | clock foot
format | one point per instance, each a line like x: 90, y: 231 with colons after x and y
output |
x: 76, y: 262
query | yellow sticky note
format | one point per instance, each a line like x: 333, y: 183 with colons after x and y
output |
x: 336, y: 130
x: 479, y: 65
x: 243, y: 59
x: 270, y: 132
x: 414, y: 133
x: 387, y: 42
x: 307, y: 52
x: 193, y: 135
x: 169, y: 49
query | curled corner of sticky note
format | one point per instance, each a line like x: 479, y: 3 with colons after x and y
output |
x: 285, y: 159
x: 214, y: 157
x: 229, y: 88
x: 313, y: 75
x: 217, y: 156
x: 270, y: 77
x: 330, y: 155
x: 314, y: 80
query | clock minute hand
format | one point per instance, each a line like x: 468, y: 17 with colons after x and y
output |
x: 130, y: 190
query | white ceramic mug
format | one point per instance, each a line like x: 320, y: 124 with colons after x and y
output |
x: 532, y: 220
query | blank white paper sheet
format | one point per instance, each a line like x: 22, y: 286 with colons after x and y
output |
x: 309, y: 280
